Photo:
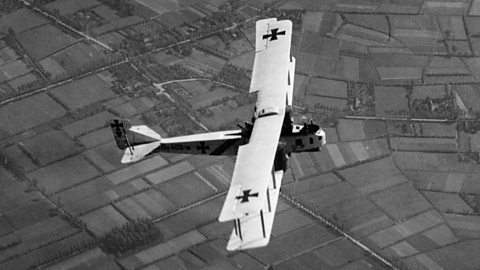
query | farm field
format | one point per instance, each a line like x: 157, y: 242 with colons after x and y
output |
x: 83, y: 92
x: 21, y: 20
x: 78, y: 55
x: 43, y: 41
x: 67, y: 7
x: 50, y: 146
x: 406, y: 188
x: 53, y: 177
x: 12, y: 70
x: 29, y: 112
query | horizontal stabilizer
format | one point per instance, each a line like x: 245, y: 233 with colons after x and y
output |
x: 146, y: 131
x: 137, y: 152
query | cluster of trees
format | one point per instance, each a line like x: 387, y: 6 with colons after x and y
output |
x: 361, y: 99
x: 439, y: 108
x: 134, y: 234
x: 235, y: 76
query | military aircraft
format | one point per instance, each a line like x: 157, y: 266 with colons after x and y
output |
x: 263, y: 147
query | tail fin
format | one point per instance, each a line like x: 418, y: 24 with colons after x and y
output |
x: 137, y: 141
x: 120, y: 133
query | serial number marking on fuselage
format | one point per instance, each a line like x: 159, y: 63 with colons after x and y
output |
x: 174, y: 147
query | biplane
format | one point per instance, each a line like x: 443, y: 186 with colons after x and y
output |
x: 262, y: 147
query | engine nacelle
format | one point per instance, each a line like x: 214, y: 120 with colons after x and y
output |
x: 281, y: 157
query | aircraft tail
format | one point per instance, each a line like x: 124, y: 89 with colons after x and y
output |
x: 137, y: 141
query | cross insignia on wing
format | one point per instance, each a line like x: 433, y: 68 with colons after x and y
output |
x: 246, y: 194
x: 274, y: 34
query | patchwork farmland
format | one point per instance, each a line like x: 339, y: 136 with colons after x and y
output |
x: 393, y: 84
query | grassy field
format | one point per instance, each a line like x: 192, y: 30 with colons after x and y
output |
x: 68, y: 7
x: 205, y: 100
x: 160, y: 7
x: 170, y: 172
x: 351, y: 130
x: 50, y: 146
x: 163, y: 250
x: 103, y: 220
x: 226, y: 115
x: 244, y: 61
x: 406, y: 229
x: 106, y: 157
x: 12, y: 70
x: 149, y: 204
x: 88, y: 124
x: 22, y: 80
x: 29, y: 112
x: 83, y: 92
x: 305, y: 63
x: 51, y: 66
x: 86, y: 189
x: 43, y: 41
x: 15, y: 196
x: 134, y: 107
x: 400, y: 201
x: 17, y: 156
x: 373, y: 176
x: 97, y: 137
x: 64, y: 174
x: 28, y: 213
x: 192, y: 218
x: 187, y: 189
x: 137, y: 169
x: 92, y: 259
x: 433, y: 162
x: 464, y: 226
x: 384, y: 95
x: 205, y: 60
x: 424, y: 144
x: 326, y: 87
x: 448, y: 202
x: 46, y: 231
x: 21, y: 20
x: 291, y: 244
x: 88, y: 203
x: 76, y: 56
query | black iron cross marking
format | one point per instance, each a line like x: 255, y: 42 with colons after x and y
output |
x: 203, y: 147
x: 246, y: 194
x: 274, y: 34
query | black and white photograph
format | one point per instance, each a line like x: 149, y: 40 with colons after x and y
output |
x: 240, y: 134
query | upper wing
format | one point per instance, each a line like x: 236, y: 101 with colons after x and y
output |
x: 254, y: 166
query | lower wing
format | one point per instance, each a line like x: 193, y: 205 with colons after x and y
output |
x: 254, y: 230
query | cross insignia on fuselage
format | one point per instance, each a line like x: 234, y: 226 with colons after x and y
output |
x: 274, y: 34
x: 246, y: 194
x: 203, y: 147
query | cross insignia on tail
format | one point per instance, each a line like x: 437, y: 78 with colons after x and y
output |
x: 274, y: 34
x: 246, y: 194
